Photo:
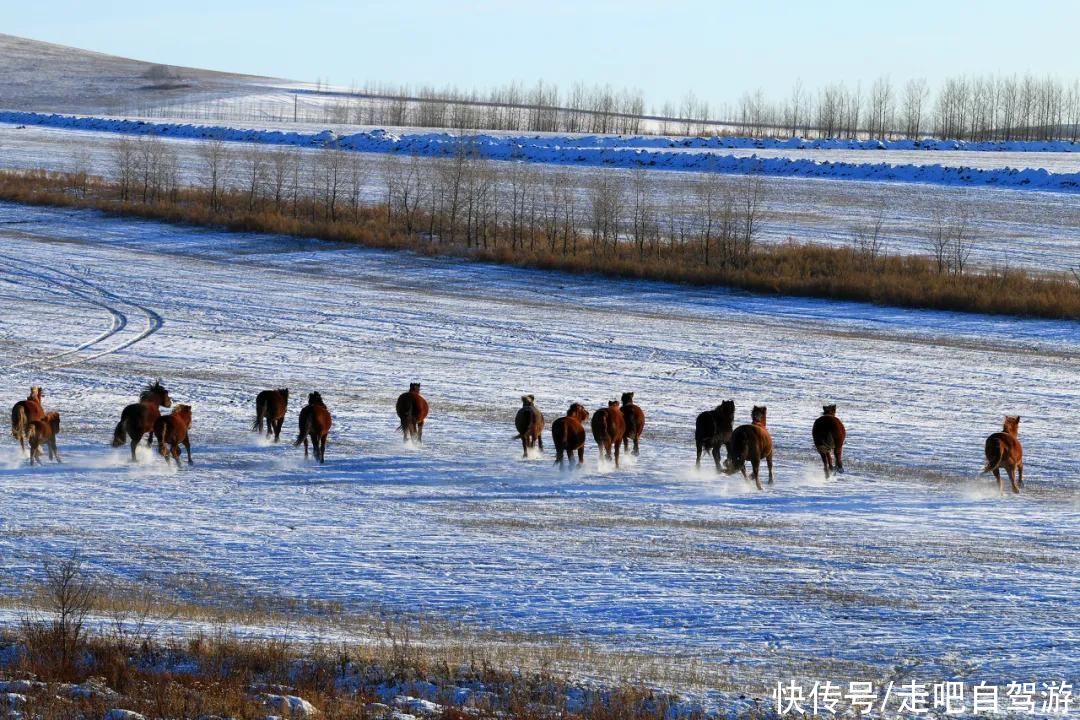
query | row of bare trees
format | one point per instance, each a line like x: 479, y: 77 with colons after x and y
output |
x: 464, y: 198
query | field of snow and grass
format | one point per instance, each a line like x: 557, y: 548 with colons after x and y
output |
x: 1033, y: 230
x: 910, y: 565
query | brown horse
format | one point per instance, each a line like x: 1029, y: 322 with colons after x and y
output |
x: 412, y: 410
x: 634, y: 419
x: 139, y: 418
x: 315, y: 422
x: 829, y: 434
x: 271, y: 405
x: 24, y: 412
x: 44, y: 432
x: 750, y: 442
x: 1003, y: 450
x: 608, y: 428
x: 529, y: 422
x: 713, y: 430
x: 172, y: 430
x: 568, y: 433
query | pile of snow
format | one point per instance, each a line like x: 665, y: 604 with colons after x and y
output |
x: 588, y: 151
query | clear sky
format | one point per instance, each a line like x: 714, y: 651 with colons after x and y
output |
x: 715, y: 48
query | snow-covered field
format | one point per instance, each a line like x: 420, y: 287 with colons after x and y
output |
x: 1036, y: 230
x: 911, y: 563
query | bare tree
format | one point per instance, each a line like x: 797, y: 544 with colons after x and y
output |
x: 868, y: 240
x: 283, y: 163
x: 70, y: 597
x: 256, y: 165
x: 124, y: 165
x: 216, y: 165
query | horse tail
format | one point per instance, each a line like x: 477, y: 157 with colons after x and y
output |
x: 827, y: 443
x: 119, y: 434
x: 995, y: 454
x: 19, y: 421
x: 260, y: 410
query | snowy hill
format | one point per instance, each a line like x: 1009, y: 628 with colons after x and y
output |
x: 37, y: 75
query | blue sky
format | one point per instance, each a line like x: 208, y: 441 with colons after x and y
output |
x: 717, y: 49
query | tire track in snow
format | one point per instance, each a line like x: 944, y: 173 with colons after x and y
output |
x: 154, y: 321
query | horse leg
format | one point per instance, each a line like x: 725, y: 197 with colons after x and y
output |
x: 524, y: 445
x: 997, y: 474
x: 617, y: 454
x: 305, y: 446
x: 135, y: 440
x: 755, y: 465
x: 716, y: 457
x: 1012, y: 478
x: 322, y: 449
x: 540, y: 441
x: 558, y: 456
x: 839, y: 452
x: 1020, y: 474
x: 54, y: 451
x: 826, y: 462
x: 581, y: 456
x: 636, y: 448
x: 187, y: 446
x: 697, y: 463
x: 768, y: 461
x: 420, y: 432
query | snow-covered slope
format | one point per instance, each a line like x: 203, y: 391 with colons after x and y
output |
x: 42, y: 76
x: 911, y: 563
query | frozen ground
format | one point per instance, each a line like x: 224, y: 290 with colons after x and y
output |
x: 910, y: 563
x: 1036, y: 230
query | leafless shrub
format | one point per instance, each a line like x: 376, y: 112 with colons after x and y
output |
x: 69, y: 597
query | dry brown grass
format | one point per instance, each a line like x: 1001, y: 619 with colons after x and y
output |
x: 785, y: 269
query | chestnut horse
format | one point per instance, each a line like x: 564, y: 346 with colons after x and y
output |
x: 24, y: 412
x: 750, y: 442
x: 829, y: 434
x: 608, y: 428
x: 1003, y: 450
x: 529, y: 422
x: 172, y: 430
x: 713, y: 430
x: 138, y: 419
x: 271, y: 405
x: 44, y: 432
x: 412, y: 410
x: 315, y: 422
x: 634, y: 419
x: 568, y: 433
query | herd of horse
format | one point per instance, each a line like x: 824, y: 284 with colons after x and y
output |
x: 618, y: 426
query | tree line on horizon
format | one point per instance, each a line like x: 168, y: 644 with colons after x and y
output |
x: 982, y: 108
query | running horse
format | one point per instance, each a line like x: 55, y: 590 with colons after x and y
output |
x: 315, y: 422
x: 713, y: 430
x: 608, y: 428
x: 271, y: 406
x: 529, y: 422
x: 829, y: 434
x: 750, y: 442
x: 634, y: 419
x: 1003, y: 450
x: 412, y: 410
x: 25, y: 412
x: 139, y: 418
x: 568, y: 433
x: 44, y: 432
x: 172, y: 431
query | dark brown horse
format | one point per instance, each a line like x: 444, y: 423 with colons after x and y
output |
x: 829, y: 434
x: 568, y: 433
x: 44, y: 432
x: 412, y: 410
x: 713, y: 430
x: 1003, y: 450
x: 608, y: 428
x: 171, y: 431
x: 315, y: 422
x: 634, y: 419
x: 24, y: 412
x: 529, y: 422
x: 750, y: 442
x: 271, y: 406
x: 138, y: 419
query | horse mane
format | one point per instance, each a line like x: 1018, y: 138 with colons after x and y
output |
x: 414, y: 387
x: 828, y: 409
x: 154, y: 388
x: 613, y: 403
x: 757, y: 415
x: 315, y: 399
x: 53, y: 419
x: 527, y: 400
x: 35, y: 392
x: 627, y: 398
x: 1011, y: 424
x: 726, y: 410
x: 284, y: 391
